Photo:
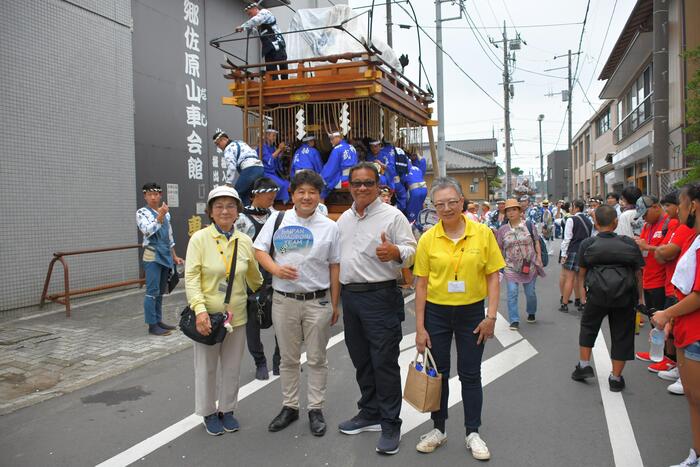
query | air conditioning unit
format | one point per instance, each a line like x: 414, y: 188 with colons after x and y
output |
x: 475, y: 179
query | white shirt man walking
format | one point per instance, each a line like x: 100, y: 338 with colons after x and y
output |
x: 305, y: 267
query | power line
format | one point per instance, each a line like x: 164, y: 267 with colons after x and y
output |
x: 524, y: 26
x: 586, y: 96
x: 454, y: 61
x: 479, y: 38
x: 607, y: 30
x: 508, y: 13
x: 580, y: 41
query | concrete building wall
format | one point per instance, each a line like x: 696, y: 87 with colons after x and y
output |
x: 557, y: 175
x: 477, y: 179
x: 67, y: 168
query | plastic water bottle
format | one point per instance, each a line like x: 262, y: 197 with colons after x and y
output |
x: 432, y: 372
x: 419, y: 367
x: 656, y: 348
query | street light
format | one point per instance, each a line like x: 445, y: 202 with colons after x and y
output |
x: 539, y: 120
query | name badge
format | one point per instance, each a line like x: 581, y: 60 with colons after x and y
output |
x: 456, y: 287
x: 645, y: 253
x: 223, y: 286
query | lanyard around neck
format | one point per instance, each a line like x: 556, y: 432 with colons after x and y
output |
x: 225, y: 258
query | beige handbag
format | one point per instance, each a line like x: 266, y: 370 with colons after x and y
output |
x: 422, y: 390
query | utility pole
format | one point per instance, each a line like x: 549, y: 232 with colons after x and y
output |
x: 389, y: 25
x: 506, y: 109
x: 442, y: 164
x: 542, y: 190
x: 567, y: 96
x: 571, y: 135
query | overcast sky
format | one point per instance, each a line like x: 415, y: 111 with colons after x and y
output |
x: 545, y: 26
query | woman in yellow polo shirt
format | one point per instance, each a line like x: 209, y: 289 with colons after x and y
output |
x: 457, y: 264
x: 210, y: 252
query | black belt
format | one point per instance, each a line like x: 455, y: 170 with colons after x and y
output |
x: 304, y: 295
x: 369, y: 286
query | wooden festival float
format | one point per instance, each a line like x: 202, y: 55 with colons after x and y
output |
x: 358, y: 93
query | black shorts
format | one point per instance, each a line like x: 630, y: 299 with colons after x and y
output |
x: 621, y: 322
x: 655, y: 298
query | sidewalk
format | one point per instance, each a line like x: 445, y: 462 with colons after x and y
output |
x: 44, y: 354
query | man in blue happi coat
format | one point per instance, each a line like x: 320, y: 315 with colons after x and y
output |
x: 335, y: 172
x: 417, y: 191
x: 272, y: 163
x: 307, y: 157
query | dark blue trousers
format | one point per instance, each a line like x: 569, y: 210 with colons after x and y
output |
x: 442, y: 322
x: 372, y: 323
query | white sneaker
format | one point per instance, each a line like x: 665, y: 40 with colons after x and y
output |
x: 670, y: 375
x: 676, y: 388
x: 431, y: 441
x: 477, y: 446
x: 691, y: 461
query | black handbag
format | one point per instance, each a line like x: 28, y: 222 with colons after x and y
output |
x: 188, y: 319
x: 260, y: 301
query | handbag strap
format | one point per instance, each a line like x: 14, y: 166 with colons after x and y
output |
x: 428, y: 361
x: 232, y: 274
x: 278, y: 222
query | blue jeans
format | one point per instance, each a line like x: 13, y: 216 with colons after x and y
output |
x: 156, y: 283
x: 530, y: 296
x: 245, y: 182
x: 442, y: 322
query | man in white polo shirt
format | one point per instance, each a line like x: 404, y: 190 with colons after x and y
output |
x: 306, y: 265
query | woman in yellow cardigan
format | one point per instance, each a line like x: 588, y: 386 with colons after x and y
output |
x: 209, y: 256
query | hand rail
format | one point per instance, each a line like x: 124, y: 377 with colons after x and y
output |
x: 617, y: 136
x: 64, y: 298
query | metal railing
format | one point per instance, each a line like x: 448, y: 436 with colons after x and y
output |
x: 634, y: 119
x: 64, y: 297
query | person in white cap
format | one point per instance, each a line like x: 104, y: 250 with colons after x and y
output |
x: 274, y: 48
x: 342, y: 158
x: 210, y: 254
x: 271, y: 152
x: 243, y: 166
x: 307, y: 156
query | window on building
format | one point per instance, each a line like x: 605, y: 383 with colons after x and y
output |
x: 580, y: 153
x: 587, y: 141
x: 602, y: 124
x: 637, y: 104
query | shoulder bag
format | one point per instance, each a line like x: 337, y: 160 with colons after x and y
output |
x: 188, y: 319
x: 260, y: 301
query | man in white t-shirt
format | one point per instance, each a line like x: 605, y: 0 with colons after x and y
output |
x: 626, y: 223
x: 306, y: 265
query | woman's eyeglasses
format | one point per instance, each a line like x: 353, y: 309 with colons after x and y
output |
x: 451, y: 204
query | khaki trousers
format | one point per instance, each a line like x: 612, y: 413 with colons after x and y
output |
x: 217, y: 371
x: 298, y: 321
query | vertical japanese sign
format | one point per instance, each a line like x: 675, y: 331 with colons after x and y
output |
x: 196, y: 95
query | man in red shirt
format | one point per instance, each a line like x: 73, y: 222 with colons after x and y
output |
x: 656, y: 225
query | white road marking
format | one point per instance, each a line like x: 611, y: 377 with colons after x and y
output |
x: 178, y: 429
x: 622, y: 440
x: 491, y: 370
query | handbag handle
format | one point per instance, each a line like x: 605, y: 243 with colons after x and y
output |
x: 427, y: 358
x: 232, y: 274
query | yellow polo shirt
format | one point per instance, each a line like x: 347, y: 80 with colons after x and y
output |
x: 473, y: 257
x: 205, y: 269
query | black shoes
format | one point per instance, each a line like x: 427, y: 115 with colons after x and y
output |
x: 283, y: 419
x: 616, y: 386
x: 261, y: 372
x: 531, y: 318
x: 564, y: 307
x: 167, y: 327
x: 316, y: 422
x: 580, y: 374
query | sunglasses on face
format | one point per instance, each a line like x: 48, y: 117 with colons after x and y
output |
x: 359, y: 183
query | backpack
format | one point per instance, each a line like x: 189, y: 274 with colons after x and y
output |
x: 610, y: 284
x: 543, y: 244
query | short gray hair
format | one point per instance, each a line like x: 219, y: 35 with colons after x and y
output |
x: 442, y: 183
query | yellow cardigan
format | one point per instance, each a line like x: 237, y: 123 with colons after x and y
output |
x: 206, y: 269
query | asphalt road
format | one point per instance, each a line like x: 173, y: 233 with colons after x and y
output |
x: 534, y: 414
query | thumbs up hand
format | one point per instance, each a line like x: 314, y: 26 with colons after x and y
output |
x: 387, y: 251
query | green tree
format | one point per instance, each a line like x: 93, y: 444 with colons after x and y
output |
x: 516, y: 171
x: 692, y: 116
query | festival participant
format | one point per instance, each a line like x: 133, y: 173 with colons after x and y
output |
x: 457, y: 266
x: 307, y: 157
x: 305, y: 267
x: 683, y: 318
x: 271, y: 153
x: 272, y: 42
x: 243, y: 166
x: 210, y: 254
x: 577, y: 228
x: 159, y: 257
x: 376, y: 241
x: 335, y: 171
